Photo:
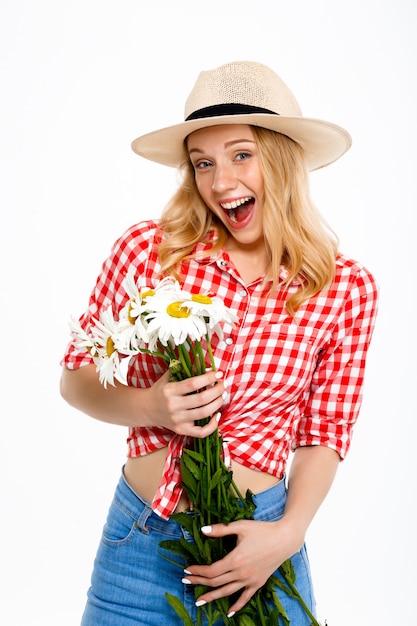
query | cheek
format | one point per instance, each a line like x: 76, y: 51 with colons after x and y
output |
x: 255, y: 179
x: 204, y: 189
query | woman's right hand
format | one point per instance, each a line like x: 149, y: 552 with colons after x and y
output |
x: 173, y: 405
x: 178, y: 405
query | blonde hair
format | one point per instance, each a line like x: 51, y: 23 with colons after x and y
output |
x: 295, y: 233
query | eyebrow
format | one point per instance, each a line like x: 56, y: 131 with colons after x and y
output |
x: 228, y: 144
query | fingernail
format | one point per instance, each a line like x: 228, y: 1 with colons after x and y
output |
x: 218, y: 416
x: 186, y: 581
x: 200, y: 603
x: 224, y: 395
x: 231, y: 614
x: 206, y: 529
x: 218, y: 375
x: 186, y: 571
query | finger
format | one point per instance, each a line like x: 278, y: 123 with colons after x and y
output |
x: 222, y: 530
x: 224, y: 592
x: 200, y: 432
x: 243, y: 599
x: 201, y: 382
x: 203, y: 399
x: 210, y: 580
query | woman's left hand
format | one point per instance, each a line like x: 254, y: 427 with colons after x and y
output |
x: 261, y: 548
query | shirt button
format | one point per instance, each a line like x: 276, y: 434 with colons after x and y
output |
x: 228, y: 341
x: 242, y: 293
x: 223, y: 263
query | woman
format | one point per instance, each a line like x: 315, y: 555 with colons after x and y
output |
x: 290, y: 373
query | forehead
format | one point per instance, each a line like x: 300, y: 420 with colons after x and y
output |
x: 221, y: 133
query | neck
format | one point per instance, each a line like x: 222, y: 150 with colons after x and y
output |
x: 251, y: 261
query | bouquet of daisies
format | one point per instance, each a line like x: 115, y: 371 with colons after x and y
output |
x: 178, y: 326
x: 167, y: 322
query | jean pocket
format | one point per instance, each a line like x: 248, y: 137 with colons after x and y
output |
x: 120, y: 526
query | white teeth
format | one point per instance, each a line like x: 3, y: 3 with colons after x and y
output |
x: 235, y: 203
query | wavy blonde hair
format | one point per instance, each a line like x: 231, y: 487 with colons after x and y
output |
x: 296, y: 235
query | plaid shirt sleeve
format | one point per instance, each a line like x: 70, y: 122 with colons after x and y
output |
x: 333, y: 402
x: 132, y: 249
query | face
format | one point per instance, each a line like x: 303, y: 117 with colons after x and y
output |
x: 229, y: 179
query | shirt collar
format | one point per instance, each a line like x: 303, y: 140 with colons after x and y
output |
x: 204, y: 256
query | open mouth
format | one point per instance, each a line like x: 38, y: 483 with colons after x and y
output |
x: 238, y: 210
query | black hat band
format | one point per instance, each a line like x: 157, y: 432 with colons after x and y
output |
x: 218, y: 110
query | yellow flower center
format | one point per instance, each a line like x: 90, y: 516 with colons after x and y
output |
x: 109, y: 346
x: 130, y: 317
x: 176, y: 309
x: 146, y: 294
x: 201, y: 299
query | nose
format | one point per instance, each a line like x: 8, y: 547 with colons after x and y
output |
x: 224, y: 178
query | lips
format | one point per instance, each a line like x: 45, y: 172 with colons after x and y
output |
x: 238, y: 211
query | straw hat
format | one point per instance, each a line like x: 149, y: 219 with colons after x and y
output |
x: 244, y: 92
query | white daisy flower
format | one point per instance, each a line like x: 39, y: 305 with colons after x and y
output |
x: 132, y: 325
x: 172, y: 321
x: 108, y: 360
x: 132, y: 328
x: 131, y: 286
x: 168, y: 283
x: 213, y: 310
x: 83, y: 341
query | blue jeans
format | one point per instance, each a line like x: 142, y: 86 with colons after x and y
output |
x: 130, y: 576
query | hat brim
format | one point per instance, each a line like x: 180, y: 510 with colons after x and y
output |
x: 323, y: 142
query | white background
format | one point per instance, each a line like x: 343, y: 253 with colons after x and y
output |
x: 81, y: 79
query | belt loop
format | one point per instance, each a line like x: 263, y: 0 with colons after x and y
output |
x: 143, y: 518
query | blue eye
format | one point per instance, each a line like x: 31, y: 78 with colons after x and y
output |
x: 242, y: 156
x: 202, y: 165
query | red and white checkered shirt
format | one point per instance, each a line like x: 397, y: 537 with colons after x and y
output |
x: 290, y: 381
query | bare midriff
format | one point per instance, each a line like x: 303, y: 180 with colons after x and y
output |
x: 144, y: 474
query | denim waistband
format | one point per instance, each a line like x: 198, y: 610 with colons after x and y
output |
x: 269, y: 503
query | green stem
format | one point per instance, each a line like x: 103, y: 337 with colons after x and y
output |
x: 218, y: 453
x: 210, y: 351
x: 184, y: 357
x: 159, y: 354
x: 260, y: 609
x: 233, y: 484
x: 297, y: 594
x: 208, y: 461
x: 195, y: 357
x: 201, y: 357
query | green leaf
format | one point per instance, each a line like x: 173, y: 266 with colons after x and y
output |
x: 192, y: 495
x: 183, y: 548
x: 191, y: 466
x: 215, y: 479
x: 287, y: 570
x: 227, y: 479
x: 278, y: 617
x: 191, y: 549
x: 197, y: 537
x: 245, y: 620
x: 284, y: 587
x: 175, y: 546
x: 207, y: 558
x: 188, y: 480
x: 195, y: 455
x: 184, y: 520
x: 180, y: 609
x: 164, y: 556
